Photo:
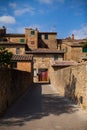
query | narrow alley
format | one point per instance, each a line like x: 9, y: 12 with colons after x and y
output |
x: 42, y: 108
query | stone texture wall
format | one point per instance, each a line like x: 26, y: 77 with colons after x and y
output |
x: 15, y: 39
x: 13, y: 83
x: 12, y: 48
x: 71, y: 82
x: 31, y: 39
x: 67, y: 50
x: 51, y: 42
x: 76, y: 53
x: 44, y: 61
x: 72, y: 52
x: 24, y: 66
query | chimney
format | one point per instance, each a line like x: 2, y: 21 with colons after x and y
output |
x: 72, y: 36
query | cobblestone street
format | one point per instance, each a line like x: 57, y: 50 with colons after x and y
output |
x: 42, y: 108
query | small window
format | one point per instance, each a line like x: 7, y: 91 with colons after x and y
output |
x: 22, y: 40
x: 55, y: 57
x: 84, y: 49
x: 46, y: 36
x: 32, y: 42
x: 32, y: 32
x: 17, y: 50
x: 35, y: 72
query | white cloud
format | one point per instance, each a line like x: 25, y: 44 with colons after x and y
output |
x: 7, y: 20
x: 24, y: 10
x: 12, y: 5
x: 80, y: 33
x: 51, y: 1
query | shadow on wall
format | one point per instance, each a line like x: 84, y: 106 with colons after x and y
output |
x: 35, y: 105
x: 42, y: 44
x: 70, y: 90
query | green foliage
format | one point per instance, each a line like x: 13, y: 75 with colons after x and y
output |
x: 5, y: 57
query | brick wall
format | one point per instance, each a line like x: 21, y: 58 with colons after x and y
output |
x: 13, y: 83
x: 71, y: 82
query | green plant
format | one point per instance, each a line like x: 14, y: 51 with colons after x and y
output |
x: 5, y: 57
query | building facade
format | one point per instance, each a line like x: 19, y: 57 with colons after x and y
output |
x: 42, y: 45
x: 74, y: 49
x: 45, y: 49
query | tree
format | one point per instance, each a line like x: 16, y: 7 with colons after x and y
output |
x: 5, y: 57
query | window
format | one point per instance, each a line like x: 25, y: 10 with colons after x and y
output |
x: 22, y: 40
x: 32, y: 32
x: 35, y: 72
x: 55, y: 57
x: 32, y: 42
x: 84, y: 49
x: 46, y: 36
x: 17, y: 50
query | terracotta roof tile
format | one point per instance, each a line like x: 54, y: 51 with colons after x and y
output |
x: 22, y: 57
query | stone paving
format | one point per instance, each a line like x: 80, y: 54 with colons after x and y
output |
x: 43, y: 108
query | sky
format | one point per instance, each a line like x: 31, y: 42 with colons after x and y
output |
x: 66, y: 17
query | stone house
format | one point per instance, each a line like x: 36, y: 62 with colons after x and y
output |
x: 15, y: 43
x: 42, y: 45
x: 73, y: 48
x: 43, y: 58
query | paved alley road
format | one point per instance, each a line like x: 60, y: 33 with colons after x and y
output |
x: 43, y: 108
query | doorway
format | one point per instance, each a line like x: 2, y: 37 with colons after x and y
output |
x: 43, y: 74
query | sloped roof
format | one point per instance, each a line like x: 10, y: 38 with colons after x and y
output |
x: 63, y: 63
x: 22, y: 57
x: 47, y: 32
x: 14, y: 35
x: 11, y: 43
x: 44, y: 50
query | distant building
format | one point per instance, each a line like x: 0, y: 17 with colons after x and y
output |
x: 73, y: 48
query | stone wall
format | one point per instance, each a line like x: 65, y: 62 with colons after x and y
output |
x: 71, y: 82
x: 24, y: 66
x: 13, y: 83
x: 51, y: 42
x: 15, y: 39
x: 76, y: 53
x: 31, y: 38
x: 67, y: 49
x: 12, y: 48
x: 44, y: 61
